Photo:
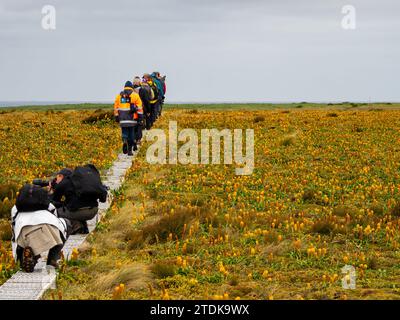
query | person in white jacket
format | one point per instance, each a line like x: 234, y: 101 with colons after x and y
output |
x: 36, y: 232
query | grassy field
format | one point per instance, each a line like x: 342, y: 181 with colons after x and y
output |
x: 324, y: 194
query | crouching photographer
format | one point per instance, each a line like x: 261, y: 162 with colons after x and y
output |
x: 36, y: 228
x: 76, y: 195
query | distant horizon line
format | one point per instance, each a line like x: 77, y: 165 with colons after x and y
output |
x: 15, y: 103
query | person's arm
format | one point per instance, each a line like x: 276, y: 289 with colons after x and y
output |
x: 103, y: 197
x: 135, y: 102
x: 59, y: 192
x: 145, y: 100
x: 116, y: 107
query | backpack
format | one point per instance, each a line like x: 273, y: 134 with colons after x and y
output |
x: 164, y: 85
x: 87, y: 183
x: 159, y: 86
x: 32, y: 198
x: 155, y: 90
x: 125, y: 97
x: 149, y: 91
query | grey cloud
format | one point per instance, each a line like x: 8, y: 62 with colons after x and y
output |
x: 211, y: 50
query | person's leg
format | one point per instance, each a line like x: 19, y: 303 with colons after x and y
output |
x: 78, y: 219
x: 139, y: 129
x: 156, y: 109
x: 19, y: 252
x: 125, y: 137
x: 68, y: 222
x: 86, y: 214
x: 148, y: 121
x: 131, y: 140
x: 153, y: 114
x: 54, y: 255
x: 136, y: 132
x: 29, y: 260
x: 65, y: 213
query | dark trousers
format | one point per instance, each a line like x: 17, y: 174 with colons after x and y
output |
x: 128, y: 135
x: 153, y: 112
x: 54, y: 253
x: 148, y: 121
x: 78, y: 218
x: 139, y: 128
x: 83, y: 214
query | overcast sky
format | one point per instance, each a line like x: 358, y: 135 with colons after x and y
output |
x: 210, y: 50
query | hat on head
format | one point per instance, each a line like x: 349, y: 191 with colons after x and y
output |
x: 128, y: 84
x: 136, y: 81
x: 65, y: 172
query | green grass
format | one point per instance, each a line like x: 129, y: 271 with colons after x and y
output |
x: 59, y: 107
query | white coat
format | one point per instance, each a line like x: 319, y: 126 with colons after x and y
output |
x: 23, y: 219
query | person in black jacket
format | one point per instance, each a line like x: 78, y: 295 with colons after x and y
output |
x: 144, y: 95
x: 77, y: 209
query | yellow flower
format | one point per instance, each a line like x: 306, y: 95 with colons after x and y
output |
x: 74, y: 254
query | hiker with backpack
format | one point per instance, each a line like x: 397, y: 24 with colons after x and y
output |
x: 127, y: 107
x: 37, y: 228
x: 160, y: 82
x: 145, y: 96
x: 155, y: 102
x: 149, y: 104
x: 81, y: 190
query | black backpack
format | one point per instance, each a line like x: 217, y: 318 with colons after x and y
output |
x: 32, y: 198
x: 87, y: 183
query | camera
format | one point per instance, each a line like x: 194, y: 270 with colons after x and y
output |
x: 44, y: 183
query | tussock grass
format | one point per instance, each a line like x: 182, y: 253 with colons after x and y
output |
x: 259, y: 119
x: 163, y: 269
x: 288, y: 140
x: 5, y: 230
x: 168, y: 223
x: 395, y: 210
x: 323, y: 226
x: 308, y: 195
x: 8, y: 191
x: 133, y: 276
x: 98, y: 116
x: 332, y: 115
x: 343, y: 210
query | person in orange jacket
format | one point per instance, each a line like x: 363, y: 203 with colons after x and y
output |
x: 127, y: 105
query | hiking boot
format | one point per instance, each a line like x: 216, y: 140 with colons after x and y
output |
x: 135, y: 147
x: 85, y: 228
x: 130, y: 153
x: 28, y: 260
x: 125, y: 148
x: 53, y: 263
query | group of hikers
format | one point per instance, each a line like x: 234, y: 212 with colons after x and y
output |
x: 47, y: 213
x: 138, y: 106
